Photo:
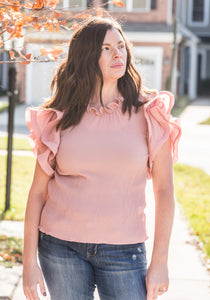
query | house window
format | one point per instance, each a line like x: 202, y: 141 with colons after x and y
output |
x: 77, y: 4
x: 198, y: 13
x: 105, y: 4
x: 89, y: 3
x: 142, y: 4
x: 133, y: 5
x: 153, y: 4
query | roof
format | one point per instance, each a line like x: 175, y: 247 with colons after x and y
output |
x: 147, y: 27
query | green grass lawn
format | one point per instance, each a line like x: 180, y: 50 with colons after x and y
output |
x: 18, y: 143
x: 22, y: 174
x: 3, y: 106
x: 192, y: 188
x: 180, y: 105
x: 206, y: 122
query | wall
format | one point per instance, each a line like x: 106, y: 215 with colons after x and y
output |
x: 167, y: 52
x: 159, y: 15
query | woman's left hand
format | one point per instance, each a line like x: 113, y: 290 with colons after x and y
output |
x: 157, y: 280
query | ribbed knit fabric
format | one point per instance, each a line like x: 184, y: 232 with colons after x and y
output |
x: 98, y: 170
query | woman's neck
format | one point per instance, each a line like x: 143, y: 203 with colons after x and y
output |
x: 109, y: 93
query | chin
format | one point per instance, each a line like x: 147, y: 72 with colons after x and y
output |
x: 119, y: 75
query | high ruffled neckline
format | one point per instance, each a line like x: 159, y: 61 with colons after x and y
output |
x: 109, y: 108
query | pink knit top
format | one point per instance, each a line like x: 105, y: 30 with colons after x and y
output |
x: 98, y: 170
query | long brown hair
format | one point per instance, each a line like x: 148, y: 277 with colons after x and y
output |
x: 75, y: 81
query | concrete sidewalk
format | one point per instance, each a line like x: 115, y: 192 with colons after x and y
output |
x: 189, y: 278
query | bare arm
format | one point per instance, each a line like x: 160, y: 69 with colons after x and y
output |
x: 36, y: 200
x: 162, y: 175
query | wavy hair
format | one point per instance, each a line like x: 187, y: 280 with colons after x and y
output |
x: 75, y: 81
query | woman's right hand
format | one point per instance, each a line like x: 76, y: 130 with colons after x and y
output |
x: 32, y: 275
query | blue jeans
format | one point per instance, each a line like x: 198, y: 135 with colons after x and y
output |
x: 72, y: 270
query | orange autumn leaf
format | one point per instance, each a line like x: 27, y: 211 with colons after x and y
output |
x: 58, y: 15
x: 18, y: 35
x: 43, y: 51
x: 53, y: 57
x: 82, y: 16
x: 28, y: 56
x: 56, y: 50
x: 118, y: 3
x: 7, y: 256
x: 25, y: 62
x: 38, y: 5
x: 28, y: 18
x: 56, y: 24
x: 99, y: 12
x: 50, y: 28
x: 75, y: 26
x: 12, y: 54
x: 52, y: 3
x: 16, y: 6
x: 86, y: 16
x: 27, y: 5
x: 63, y: 22
x: 37, y: 26
x: 5, y: 23
x: 1, y: 17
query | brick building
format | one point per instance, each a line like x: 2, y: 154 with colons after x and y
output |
x: 149, y: 25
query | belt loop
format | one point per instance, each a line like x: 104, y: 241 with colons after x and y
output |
x: 91, y: 249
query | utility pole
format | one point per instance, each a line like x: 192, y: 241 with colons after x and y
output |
x: 11, y: 96
x: 173, y: 58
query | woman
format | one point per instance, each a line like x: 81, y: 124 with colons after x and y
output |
x: 97, y: 140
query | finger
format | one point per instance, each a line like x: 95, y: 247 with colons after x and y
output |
x: 27, y: 293
x: 155, y: 293
x: 42, y: 287
x: 33, y: 295
x: 149, y: 293
x: 162, y: 290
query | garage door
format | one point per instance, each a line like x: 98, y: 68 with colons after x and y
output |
x: 39, y: 76
x: 148, y: 61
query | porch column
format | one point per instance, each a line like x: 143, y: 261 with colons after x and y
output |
x: 192, y: 92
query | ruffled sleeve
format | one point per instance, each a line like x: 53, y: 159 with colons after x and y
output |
x: 161, y: 125
x: 44, y: 137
